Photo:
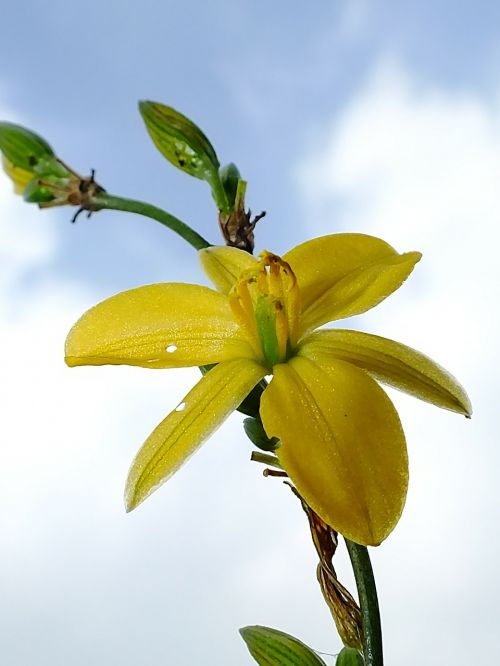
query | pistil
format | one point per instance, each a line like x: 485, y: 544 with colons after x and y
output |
x: 265, y: 302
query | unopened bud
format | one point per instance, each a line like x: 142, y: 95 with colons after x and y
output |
x: 184, y: 145
x: 23, y: 148
x: 349, y: 657
x: 257, y: 435
x: 271, y: 647
x: 39, y: 175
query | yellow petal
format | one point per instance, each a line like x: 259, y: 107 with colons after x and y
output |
x: 19, y: 176
x: 157, y: 326
x: 392, y: 363
x: 341, y: 444
x: 346, y: 274
x: 224, y: 265
x: 185, y: 429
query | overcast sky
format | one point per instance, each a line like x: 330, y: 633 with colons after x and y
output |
x: 378, y: 117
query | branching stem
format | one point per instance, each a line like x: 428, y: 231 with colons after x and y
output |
x: 105, y: 201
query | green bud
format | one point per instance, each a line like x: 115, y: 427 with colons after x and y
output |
x: 184, y: 145
x: 251, y: 403
x: 230, y: 177
x: 257, y: 435
x: 23, y: 148
x: 349, y: 657
x: 39, y: 175
x: 270, y: 647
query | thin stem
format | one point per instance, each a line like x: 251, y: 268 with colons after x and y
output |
x: 368, y: 601
x: 104, y: 201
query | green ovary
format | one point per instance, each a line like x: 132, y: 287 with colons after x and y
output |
x: 265, y: 315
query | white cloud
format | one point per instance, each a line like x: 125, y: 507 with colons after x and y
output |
x: 420, y: 167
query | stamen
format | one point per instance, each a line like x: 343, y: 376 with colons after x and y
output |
x: 282, y: 332
x: 243, y: 309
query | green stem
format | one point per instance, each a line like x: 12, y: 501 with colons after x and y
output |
x: 104, y: 201
x: 368, y: 601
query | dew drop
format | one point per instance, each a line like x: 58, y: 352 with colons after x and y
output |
x: 181, y: 407
x: 171, y: 349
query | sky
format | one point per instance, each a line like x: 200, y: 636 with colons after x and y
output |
x: 380, y: 118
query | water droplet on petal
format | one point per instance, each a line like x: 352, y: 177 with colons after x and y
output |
x: 171, y: 349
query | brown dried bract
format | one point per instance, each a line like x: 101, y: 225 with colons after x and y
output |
x: 344, y: 609
x: 237, y: 228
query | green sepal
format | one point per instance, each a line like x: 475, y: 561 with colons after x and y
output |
x: 230, y: 177
x: 270, y: 647
x: 251, y: 404
x: 349, y: 657
x: 257, y: 435
x: 22, y: 147
x: 50, y: 167
x: 184, y: 145
x: 36, y: 193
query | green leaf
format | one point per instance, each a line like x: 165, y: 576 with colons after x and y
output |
x: 270, y: 647
x: 184, y: 145
x: 23, y: 148
x: 349, y: 657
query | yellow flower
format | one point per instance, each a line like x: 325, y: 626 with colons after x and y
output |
x: 341, y: 440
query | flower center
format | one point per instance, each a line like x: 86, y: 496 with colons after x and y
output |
x: 265, y: 302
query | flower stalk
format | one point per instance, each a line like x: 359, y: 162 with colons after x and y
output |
x: 368, y: 601
x: 105, y: 201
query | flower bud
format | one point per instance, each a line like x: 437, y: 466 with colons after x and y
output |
x: 39, y: 175
x: 22, y: 148
x: 257, y: 435
x: 270, y: 647
x: 349, y: 657
x: 184, y: 145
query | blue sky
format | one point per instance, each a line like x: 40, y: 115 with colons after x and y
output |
x: 378, y: 117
